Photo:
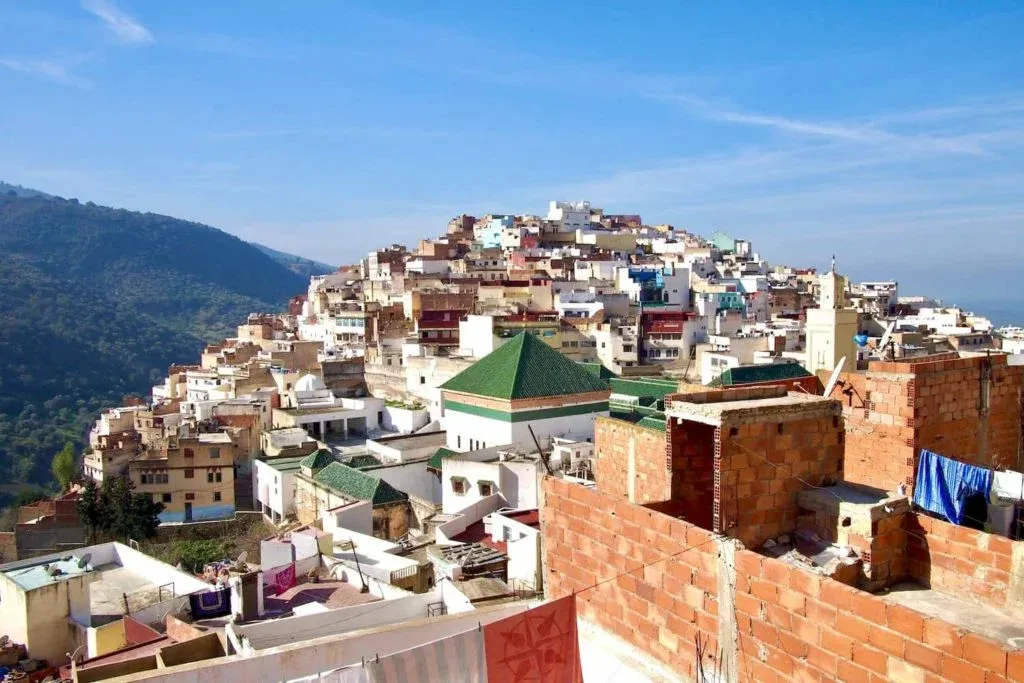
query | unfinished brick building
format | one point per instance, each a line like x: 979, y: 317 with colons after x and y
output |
x: 730, y: 460
x: 968, y: 409
x: 671, y: 546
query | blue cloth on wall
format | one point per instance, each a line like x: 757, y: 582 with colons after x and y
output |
x: 212, y: 603
x: 943, y: 485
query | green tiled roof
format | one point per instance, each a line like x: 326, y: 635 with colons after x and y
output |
x: 285, y: 464
x: 643, y: 387
x: 656, y: 422
x: 653, y: 423
x: 753, y: 374
x: 442, y: 453
x: 318, y: 459
x: 524, y: 367
x: 597, y: 370
x: 362, y: 461
x: 353, y: 483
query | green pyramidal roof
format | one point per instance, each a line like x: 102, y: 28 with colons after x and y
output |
x: 358, y: 485
x: 524, y: 367
x: 317, y: 459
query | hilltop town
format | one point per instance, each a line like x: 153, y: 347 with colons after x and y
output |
x: 696, y: 464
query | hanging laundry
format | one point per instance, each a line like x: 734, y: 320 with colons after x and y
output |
x: 213, y: 603
x: 1008, y: 485
x: 942, y: 485
x: 458, y: 659
x: 275, y: 578
x: 536, y: 646
x: 285, y: 578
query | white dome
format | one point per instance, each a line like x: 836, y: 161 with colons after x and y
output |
x: 310, y: 383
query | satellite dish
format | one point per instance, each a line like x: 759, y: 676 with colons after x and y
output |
x: 834, y: 379
x: 242, y: 557
x: 83, y: 561
x: 885, y: 337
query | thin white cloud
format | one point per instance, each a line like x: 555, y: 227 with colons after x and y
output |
x: 48, y: 69
x: 127, y: 29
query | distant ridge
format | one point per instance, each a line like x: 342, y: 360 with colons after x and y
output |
x: 297, y: 264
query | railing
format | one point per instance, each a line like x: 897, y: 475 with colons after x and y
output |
x: 523, y: 589
x: 400, y: 574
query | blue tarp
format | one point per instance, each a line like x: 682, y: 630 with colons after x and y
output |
x: 943, y: 485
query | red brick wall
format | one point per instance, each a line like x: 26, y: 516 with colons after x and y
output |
x: 791, y: 625
x: 960, y: 561
x: 614, y: 440
x: 947, y: 420
x: 896, y: 409
x: 692, y: 447
x: 879, y: 435
x: 761, y: 466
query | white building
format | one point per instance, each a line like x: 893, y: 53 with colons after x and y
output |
x: 571, y: 216
x: 55, y: 604
x: 469, y: 478
x: 315, y: 408
x: 523, y: 385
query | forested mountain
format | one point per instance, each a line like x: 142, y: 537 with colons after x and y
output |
x: 97, y: 302
x: 297, y: 264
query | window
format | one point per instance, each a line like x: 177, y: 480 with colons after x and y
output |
x: 167, y: 498
x: 209, y: 477
x: 214, y: 453
x: 188, y: 496
x: 423, y: 380
x: 217, y: 476
x: 486, y: 487
x: 216, y: 496
x: 189, y: 473
x: 189, y: 453
x: 459, y: 486
x: 458, y: 441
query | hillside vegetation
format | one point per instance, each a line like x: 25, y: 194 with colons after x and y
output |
x: 96, y: 303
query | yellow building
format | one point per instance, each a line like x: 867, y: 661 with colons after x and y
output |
x: 831, y: 327
x: 194, y: 477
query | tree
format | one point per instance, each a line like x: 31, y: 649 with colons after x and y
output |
x: 194, y: 555
x: 90, y: 509
x: 64, y: 466
x: 128, y: 514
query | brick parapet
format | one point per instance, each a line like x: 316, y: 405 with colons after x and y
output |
x: 653, y: 581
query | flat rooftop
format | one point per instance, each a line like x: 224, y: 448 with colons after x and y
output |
x: 331, y: 594
x: 115, y: 584
x: 283, y: 465
x: 970, y: 615
x: 47, y: 573
x: 409, y: 441
x: 773, y: 408
x: 484, y: 589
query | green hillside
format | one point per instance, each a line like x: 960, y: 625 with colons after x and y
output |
x: 297, y: 264
x: 97, y: 302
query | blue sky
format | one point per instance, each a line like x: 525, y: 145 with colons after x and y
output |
x: 887, y: 133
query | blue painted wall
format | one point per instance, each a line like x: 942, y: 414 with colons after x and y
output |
x: 202, y: 513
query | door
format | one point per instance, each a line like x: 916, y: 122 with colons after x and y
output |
x: 188, y: 512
